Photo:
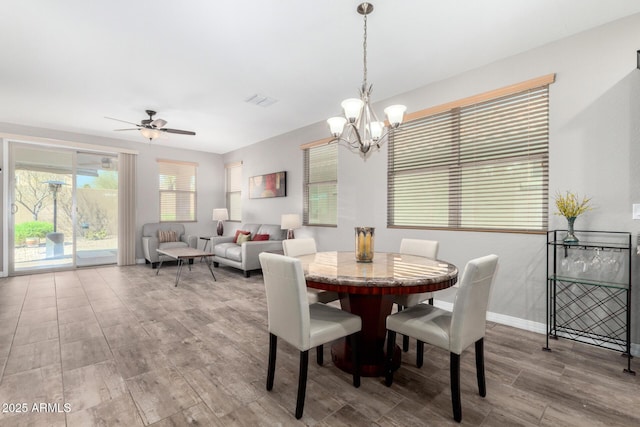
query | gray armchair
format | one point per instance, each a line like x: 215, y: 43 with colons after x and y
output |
x: 150, y: 242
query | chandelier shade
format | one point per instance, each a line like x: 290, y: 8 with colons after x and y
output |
x: 359, y: 129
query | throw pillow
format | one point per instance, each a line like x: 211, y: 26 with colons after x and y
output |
x: 239, y: 232
x: 258, y: 237
x: 167, y: 236
x: 243, y: 238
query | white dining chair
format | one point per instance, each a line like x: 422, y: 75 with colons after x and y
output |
x: 454, y: 330
x: 303, y: 325
x: 307, y: 246
x: 417, y: 247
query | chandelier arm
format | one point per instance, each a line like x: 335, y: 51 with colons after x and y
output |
x: 363, y: 131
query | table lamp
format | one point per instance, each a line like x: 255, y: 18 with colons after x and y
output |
x: 290, y: 222
x: 220, y: 215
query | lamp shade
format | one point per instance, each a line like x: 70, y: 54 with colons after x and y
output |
x: 395, y: 114
x: 220, y: 214
x: 352, y: 107
x: 290, y: 221
x: 336, y: 125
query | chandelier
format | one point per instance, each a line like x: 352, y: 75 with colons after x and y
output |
x: 360, y: 128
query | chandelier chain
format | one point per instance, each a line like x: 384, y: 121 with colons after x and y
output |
x: 364, y: 48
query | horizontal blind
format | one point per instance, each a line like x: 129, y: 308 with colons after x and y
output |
x: 480, y: 166
x: 177, y: 184
x: 321, y: 185
x: 234, y: 191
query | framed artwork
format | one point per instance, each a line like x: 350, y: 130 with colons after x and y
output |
x: 269, y: 185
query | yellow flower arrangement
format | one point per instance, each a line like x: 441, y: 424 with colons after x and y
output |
x: 570, y: 205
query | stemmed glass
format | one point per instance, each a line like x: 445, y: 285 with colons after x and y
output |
x: 596, y: 266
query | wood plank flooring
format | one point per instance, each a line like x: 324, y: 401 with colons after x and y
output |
x: 122, y: 346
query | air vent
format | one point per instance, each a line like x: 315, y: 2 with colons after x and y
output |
x: 261, y: 100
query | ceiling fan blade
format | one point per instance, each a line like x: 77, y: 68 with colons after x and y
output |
x: 181, y: 132
x: 158, y: 123
x: 126, y: 129
x: 123, y: 121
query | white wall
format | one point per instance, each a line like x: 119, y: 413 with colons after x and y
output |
x: 594, y: 150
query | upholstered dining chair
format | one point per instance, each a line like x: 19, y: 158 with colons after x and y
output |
x: 307, y: 246
x: 418, y: 247
x: 453, y: 331
x: 303, y: 325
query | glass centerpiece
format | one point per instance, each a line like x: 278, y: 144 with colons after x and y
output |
x: 364, y: 244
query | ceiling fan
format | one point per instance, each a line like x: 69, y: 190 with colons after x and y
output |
x: 152, y: 128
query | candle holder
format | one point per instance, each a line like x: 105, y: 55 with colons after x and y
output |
x: 364, y: 244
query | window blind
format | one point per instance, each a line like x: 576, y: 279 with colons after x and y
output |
x: 177, y: 183
x: 480, y: 166
x: 321, y: 185
x: 234, y: 191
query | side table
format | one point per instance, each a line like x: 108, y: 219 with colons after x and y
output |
x: 206, y: 243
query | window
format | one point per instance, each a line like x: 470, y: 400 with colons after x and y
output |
x: 321, y: 185
x: 234, y: 190
x: 480, y: 165
x: 177, y: 191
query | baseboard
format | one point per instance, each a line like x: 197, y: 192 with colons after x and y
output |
x: 516, y: 322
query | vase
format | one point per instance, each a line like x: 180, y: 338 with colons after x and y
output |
x: 364, y: 244
x: 571, y: 238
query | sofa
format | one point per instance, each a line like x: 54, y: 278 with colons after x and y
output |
x: 244, y: 256
x: 151, y: 240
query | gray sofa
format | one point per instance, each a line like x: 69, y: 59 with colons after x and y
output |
x: 245, y: 256
x: 150, y: 241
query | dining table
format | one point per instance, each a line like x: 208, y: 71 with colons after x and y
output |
x: 367, y: 289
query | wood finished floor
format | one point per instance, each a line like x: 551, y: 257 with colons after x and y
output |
x: 122, y: 346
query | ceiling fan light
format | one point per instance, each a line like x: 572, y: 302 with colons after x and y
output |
x: 336, y: 125
x: 352, y: 108
x: 150, y: 133
x: 395, y: 114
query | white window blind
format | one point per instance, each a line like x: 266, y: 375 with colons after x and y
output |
x: 177, y: 183
x: 482, y: 166
x: 234, y: 190
x: 321, y: 185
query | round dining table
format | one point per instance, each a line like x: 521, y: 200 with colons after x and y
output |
x: 367, y: 289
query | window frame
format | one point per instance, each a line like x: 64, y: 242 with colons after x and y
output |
x: 193, y: 185
x: 454, y: 202
x: 307, y: 202
x: 236, y: 190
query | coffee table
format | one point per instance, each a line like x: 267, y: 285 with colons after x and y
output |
x: 182, y: 254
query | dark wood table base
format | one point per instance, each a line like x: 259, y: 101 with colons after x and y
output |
x: 373, y: 309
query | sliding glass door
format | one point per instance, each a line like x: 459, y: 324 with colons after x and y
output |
x: 97, y: 209
x: 64, y: 208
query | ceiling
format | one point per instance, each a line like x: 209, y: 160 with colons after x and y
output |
x: 67, y: 64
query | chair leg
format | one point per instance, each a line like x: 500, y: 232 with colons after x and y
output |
x: 320, y: 354
x: 405, y: 338
x: 302, y: 382
x: 454, y: 373
x: 430, y: 301
x: 355, y: 358
x: 271, y: 369
x: 419, y: 353
x: 391, y: 343
x: 482, y: 386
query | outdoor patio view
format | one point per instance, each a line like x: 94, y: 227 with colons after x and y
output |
x: 44, y: 220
